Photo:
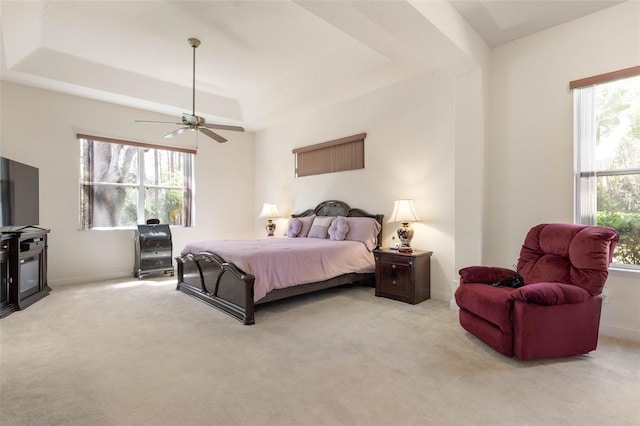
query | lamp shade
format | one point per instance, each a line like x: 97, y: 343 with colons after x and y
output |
x: 269, y: 211
x: 403, y: 211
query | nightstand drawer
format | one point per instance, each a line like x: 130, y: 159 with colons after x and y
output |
x: 155, y: 244
x: 395, y: 259
x: 396, y: 278
x: 155, y: 253
x: 163, y: 262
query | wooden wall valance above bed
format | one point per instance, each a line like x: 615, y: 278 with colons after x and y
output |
x: 211, y: 278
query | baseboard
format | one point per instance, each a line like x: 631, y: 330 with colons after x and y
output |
x: 619, y: 331
x: 441, y: 296
x: 89, y: 279
x: 452, y: 300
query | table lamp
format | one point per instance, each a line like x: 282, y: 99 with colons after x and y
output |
x: 404, y: 213
x: 269, y: 211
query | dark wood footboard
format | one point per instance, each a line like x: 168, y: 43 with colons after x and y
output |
x: 218, y: 283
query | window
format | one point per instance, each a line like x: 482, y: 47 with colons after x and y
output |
x: 607, y: 172
x: 125, y: 183
x: 328, y: 157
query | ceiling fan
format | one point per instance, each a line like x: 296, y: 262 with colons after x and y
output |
x: 192, y: 121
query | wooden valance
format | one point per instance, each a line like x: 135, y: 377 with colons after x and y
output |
x: 140, y: 144
x: 604, y: 78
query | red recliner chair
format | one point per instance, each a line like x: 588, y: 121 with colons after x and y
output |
x: 557, y: 312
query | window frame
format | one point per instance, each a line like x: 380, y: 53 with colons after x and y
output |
x: 140, y: 186
x: 586, y: 172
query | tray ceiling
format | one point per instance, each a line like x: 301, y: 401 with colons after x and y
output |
x: 260, y: 62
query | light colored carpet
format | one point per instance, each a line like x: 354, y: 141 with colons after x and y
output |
x: 141, y: 353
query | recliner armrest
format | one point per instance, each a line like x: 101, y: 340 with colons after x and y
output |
x: 484, y: 274
x: 550, y: 294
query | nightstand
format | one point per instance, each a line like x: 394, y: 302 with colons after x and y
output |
x: 403, y: 276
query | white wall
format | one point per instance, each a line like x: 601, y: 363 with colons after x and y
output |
x: 471, y: 139
x: 39, y: 128
x: 530, y: 153
x: 409, y: 153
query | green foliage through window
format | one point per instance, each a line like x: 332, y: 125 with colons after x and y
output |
x: 628, y: 227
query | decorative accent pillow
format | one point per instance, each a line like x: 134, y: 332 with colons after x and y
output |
x: 295, y: 226
x: 320, y: 227
x: 307, y: 221
x: 338, y: 229
x: 363, y: 229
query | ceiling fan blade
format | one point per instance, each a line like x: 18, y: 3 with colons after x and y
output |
x: 212, y: 135
x: 223, y: 127
x: 176, y: 132
x: 163, y: 122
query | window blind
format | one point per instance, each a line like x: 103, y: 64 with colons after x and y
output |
x: 329, y: 157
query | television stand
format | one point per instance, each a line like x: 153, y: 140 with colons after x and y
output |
x: 23, y: 268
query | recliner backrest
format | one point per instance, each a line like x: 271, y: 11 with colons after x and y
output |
x: 568, y: 253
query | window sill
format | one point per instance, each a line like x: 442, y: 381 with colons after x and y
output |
x: 125, y: 228
x: 625, y: 270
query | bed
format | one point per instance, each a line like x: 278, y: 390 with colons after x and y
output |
x: 214, y: 271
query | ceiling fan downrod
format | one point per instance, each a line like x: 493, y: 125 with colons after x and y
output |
x: 194, y: 42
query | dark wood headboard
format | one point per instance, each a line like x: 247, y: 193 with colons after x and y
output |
x: 340, y: 208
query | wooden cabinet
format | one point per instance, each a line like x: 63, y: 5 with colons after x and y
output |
x: 153, y: 250
x: 6, y: 305
x: 23, y: 268
x: 403, y: 276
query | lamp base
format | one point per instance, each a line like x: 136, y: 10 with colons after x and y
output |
x: 270, y: 227
x: 405, y: 233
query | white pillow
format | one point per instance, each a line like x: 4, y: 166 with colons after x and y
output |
x: 320, y: 227
x: 364, y: 229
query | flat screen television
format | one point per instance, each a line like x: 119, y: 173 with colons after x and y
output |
x: 19, y: 194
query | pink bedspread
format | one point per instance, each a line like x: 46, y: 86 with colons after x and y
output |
x: 280, y: 262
